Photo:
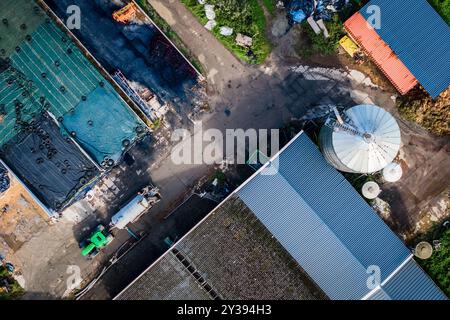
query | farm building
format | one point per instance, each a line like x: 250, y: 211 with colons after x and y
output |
x: 61, y: 121
x: 138, y: 50
x: 49, y: 163
x: 315, y: 229
x: 410, y: 45
x: 198, y: 268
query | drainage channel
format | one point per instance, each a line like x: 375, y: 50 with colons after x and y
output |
x: 196, y: 274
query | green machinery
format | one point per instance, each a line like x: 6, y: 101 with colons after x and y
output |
x: 99, y: 239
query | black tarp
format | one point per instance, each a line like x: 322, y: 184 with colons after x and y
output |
x: 49, y: 163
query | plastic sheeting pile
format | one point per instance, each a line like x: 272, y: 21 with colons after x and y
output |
x: 212, y: 23
x: 300, y: 10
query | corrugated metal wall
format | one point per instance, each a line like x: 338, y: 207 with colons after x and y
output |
x: 383, y: 56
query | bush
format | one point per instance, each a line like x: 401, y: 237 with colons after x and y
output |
x: 317, y: 44
x: 438, y: 266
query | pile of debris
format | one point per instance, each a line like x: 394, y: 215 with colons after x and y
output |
x: 299, y: 10
x: 4, y: 180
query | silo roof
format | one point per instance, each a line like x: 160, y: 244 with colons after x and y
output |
x: 370, y: 141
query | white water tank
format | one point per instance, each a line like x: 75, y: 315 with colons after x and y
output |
x: 393, y: 172
x: 130, y: 212
x: 366, y: 141
x: 371, y: 190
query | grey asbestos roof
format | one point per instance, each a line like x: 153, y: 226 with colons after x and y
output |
x: 235, y: 257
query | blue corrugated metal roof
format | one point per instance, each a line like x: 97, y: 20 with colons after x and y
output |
x: 419, y: 37
x: 306, y: 237
x: 323, y: 222
x: 412, y: 283
x: 379, y: 294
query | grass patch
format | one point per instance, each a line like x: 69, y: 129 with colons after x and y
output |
x: 438, y: 265
x: 165, y: 27
x: 13, y: 291
x: 442, y: 7
x: 244, y: 16
x: 270, y: 5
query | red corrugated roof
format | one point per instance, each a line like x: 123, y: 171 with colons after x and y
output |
x: 380, y: 52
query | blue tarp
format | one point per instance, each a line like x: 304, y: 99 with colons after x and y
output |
x: 298, y: 16
x: 102, y: 124
x: 49, y: 163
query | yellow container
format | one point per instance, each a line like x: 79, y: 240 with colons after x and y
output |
x: 348, y: 45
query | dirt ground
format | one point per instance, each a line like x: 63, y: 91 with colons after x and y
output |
x: 20, y: 218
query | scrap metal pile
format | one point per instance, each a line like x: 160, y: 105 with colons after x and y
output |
x: 300, y: 10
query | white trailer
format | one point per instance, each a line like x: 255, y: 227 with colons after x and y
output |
x: 134, y: 209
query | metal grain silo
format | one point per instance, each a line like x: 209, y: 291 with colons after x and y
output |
x: 364, y: 139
